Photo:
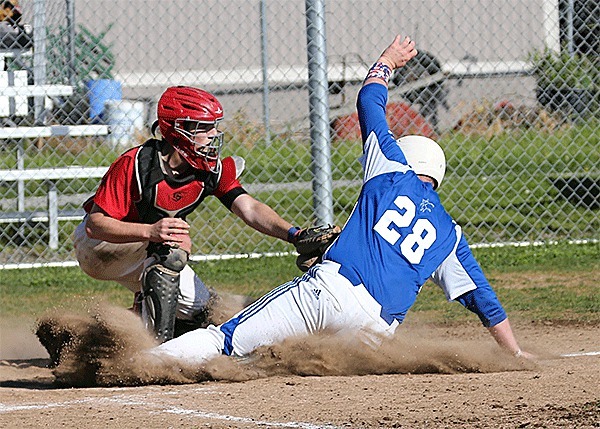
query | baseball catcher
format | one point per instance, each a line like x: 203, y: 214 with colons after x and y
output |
x: 135, y: 231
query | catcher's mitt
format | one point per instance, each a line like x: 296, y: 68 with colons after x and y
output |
x: 311, y: 243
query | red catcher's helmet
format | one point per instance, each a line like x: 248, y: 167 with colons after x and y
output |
x: 183, y: 112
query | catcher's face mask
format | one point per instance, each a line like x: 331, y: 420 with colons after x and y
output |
x: 201, y: 142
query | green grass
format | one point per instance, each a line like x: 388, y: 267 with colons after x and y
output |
x: 554, y: 303
x: 554, y: 290
x: 562, y: 299
x: 498, y: 188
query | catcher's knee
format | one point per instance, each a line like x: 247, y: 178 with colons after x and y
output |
x: 172, y: 258
x: 160, y: 289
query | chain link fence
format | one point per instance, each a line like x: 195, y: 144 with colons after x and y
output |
x: 510, y: 89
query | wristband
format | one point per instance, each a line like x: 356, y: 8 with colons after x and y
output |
x: 518, y: 353
x: 381, y: 71
x: 292, y: 233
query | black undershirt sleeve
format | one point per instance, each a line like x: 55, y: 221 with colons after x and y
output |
x: 230, y: 196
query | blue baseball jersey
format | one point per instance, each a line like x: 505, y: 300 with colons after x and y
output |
x: 399, y: 234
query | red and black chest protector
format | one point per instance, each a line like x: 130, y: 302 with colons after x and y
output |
x: 163, y: 196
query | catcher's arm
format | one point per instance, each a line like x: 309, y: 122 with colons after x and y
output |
x: 260, y: 216
x: 311, y: 243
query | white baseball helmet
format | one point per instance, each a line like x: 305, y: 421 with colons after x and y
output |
x: 425, y: 156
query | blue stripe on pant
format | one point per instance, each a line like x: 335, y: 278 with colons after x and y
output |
x: 230, y: 326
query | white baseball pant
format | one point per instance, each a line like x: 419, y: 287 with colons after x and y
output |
x: 125, y: 263
x: 320, y: 300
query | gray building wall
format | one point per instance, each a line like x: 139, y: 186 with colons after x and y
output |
x: 216, y: 44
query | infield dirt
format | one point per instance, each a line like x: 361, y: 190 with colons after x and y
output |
x: 427, y: 376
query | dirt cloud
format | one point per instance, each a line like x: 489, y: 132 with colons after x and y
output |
x: 105, y: 347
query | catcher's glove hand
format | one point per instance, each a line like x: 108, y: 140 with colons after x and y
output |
x: 311, y: 243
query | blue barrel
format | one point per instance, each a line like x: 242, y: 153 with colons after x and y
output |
x: 100, y: 91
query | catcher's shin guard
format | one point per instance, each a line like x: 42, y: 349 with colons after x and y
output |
x: 160, y: 291
x: 201, y: 319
